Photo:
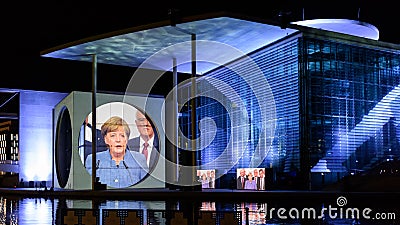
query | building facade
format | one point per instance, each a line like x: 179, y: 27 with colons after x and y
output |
x: 329, y: 107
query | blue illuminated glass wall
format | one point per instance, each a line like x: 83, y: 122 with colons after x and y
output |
x: 239, y: 127
x: 336, y: 110
x: 354, y: 106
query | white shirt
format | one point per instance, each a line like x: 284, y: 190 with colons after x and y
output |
x: 149, y: 148
x: 262, y: 184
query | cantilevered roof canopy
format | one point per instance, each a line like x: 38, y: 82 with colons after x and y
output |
x: 162, y: 42
x: 155, y: 46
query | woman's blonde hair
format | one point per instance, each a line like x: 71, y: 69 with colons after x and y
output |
x: 112, y: 124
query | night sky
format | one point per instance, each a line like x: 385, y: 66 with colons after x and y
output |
x: 28, y: 28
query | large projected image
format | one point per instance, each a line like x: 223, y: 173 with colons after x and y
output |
x: 127, y: 145
x: 123, y: 125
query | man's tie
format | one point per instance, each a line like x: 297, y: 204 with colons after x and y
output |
x: 145, y: 151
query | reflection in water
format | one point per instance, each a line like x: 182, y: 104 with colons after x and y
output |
x: 26, y: 211
x: 8, y: 213
x: 35, y: 211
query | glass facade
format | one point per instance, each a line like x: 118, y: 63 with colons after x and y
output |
x: 326, y: 107
x: 354, y: 105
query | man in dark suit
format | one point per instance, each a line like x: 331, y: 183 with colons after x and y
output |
x: 147, y: 142
x: 256, y: 178
x: 241, y: 180
x: 261, y: 180
x: 211, y: 179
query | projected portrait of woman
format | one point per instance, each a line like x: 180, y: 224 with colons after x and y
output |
x: 117, y: 166
x: 126, y: 145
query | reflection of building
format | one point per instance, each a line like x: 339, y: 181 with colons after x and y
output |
x: 208, y: 206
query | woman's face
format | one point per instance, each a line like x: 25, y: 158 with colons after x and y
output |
x: 116, y: 141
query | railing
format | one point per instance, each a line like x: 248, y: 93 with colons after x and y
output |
x: 80, y: 216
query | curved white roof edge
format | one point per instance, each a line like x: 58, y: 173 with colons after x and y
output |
x: 345, y: 26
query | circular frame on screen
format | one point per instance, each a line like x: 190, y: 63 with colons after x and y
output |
x: 128, y: 113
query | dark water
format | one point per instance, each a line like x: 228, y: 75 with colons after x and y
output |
x: 37, y: 211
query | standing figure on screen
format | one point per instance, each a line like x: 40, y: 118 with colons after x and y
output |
x: 250, y: 183
x: 261, y: 182
x: 204, y: 181
x: 256, y: 177
x: 147, y: 142
x: 241, y: 180
x: 117, y: 166
x: 211, y: 179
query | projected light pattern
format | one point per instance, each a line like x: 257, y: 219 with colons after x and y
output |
x: 250, y: 145
x: 369, y: 126
x: 351, y: 94
x: 133, y: 48
x: 354, y: 95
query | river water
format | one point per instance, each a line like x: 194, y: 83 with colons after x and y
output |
x: 36, y: 211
